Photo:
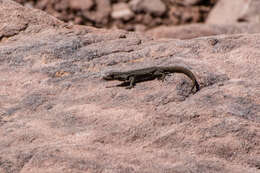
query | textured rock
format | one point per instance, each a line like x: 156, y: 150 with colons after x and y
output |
x: 181, y: 15
x: 186, y: 2
x: 252, y: 13
x: 199, y: 30
x: 18, y: 21
x: 100, y: 16
x: 56, y: 114
x: 98, y: 12
x: 122, y: 11
x: 227, y: 12
x: 156, y: 7
x: 81, y: 4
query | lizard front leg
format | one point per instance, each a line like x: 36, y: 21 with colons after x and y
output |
x: 131, y: 80
x: 119, y: 85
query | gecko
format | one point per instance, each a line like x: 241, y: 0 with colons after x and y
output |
x: 130, y: 78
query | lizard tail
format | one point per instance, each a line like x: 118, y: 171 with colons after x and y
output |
x: 180, y: 69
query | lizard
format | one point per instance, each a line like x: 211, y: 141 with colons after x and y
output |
x: 130, y: 78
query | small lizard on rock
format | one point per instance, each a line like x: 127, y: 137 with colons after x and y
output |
x: 130, y: 78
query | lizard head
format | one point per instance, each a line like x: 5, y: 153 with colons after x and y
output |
x: 111, y: 76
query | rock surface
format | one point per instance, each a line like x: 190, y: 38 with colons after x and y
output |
x: 101, y: 14
x: 156, y: 7
x: 252, y: 13
x: 117, y: 14
x: 122, y: 11
x: 81, y: 4
x: 233, y: 11
x: 57, y: 116
x: 199, y: 30
x: 227, y: 17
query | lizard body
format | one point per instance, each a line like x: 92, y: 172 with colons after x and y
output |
x: 130, y: 78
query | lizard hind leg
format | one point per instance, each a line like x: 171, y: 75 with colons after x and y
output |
x: 161, y: 75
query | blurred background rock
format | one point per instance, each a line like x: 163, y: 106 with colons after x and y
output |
x: 131, y: 15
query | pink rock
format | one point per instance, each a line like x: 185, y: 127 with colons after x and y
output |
x: 121, y: 11
x: 227, y: 11
x: 156, y: 7
x: 81, y: 4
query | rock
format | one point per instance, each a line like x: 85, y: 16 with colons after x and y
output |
x: 227, y: 12
x: 122, y: 11
x: 191, y: 2
x: 61, y: 6
x: 13, y: 23
x: 155, y: 7
x: 186, y: 2
x: 140, y: 28
x: 56, y: 114
x: 100, y: 15
x: 179, y: 15
x: 81, y: 4
x: 252, y: 13
x: 42, y: 4
x: 200, y: 30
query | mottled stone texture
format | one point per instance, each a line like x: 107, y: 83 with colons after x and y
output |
x: 56, y: 116
x: 125, y: 14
